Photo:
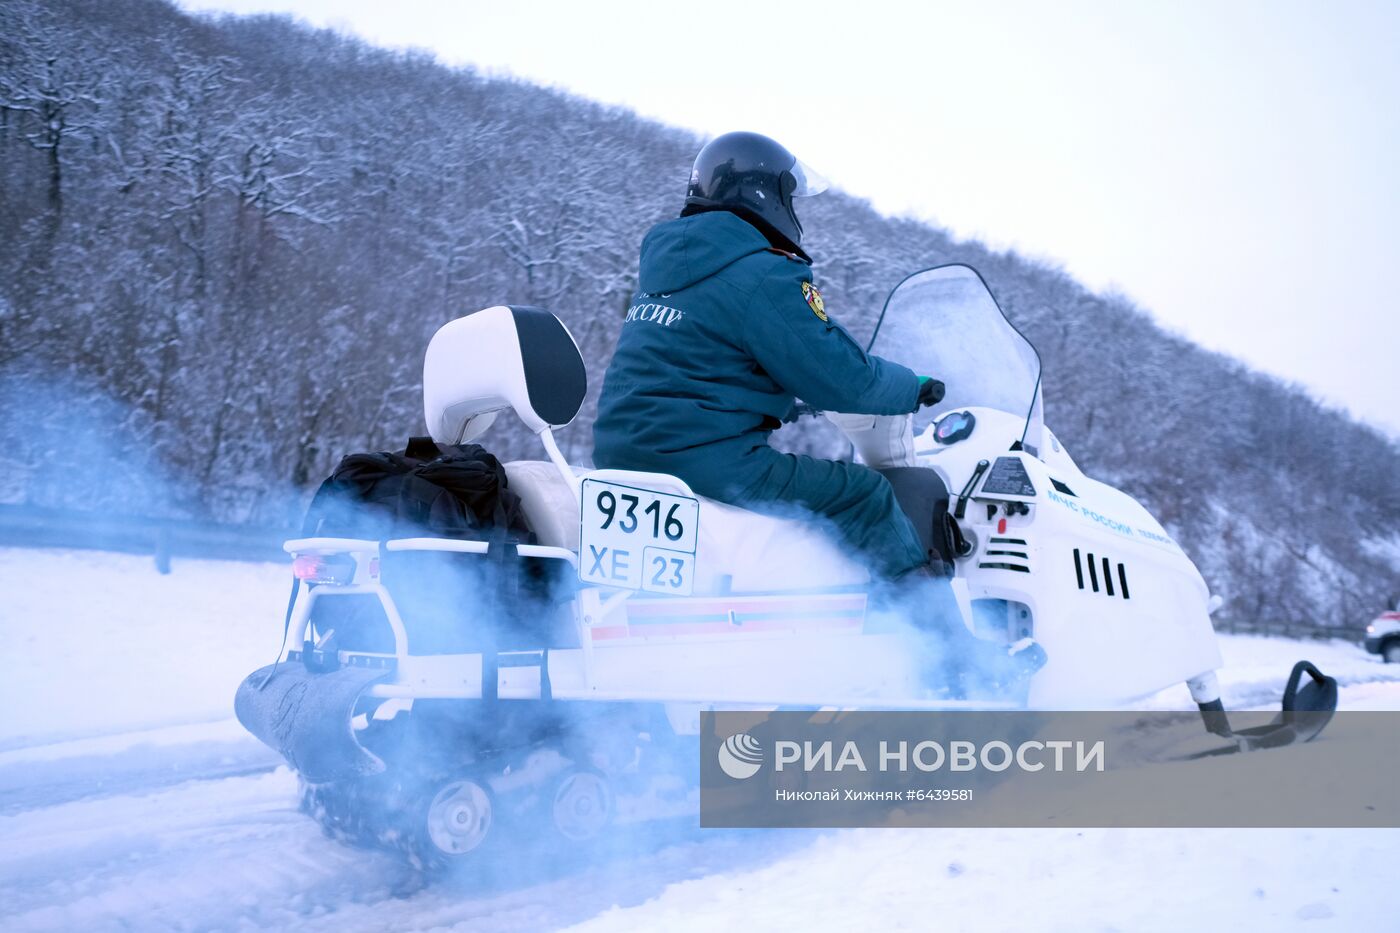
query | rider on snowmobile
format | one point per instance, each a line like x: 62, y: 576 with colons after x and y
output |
x: 725, y: 331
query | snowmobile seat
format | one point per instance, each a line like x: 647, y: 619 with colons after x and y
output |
x: 550, y: 506
x: 737, y: 550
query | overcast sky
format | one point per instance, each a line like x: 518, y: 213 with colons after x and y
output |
x: 1232, y: 167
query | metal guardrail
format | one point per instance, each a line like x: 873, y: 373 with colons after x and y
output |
x: 1317, y: 631
x: 164, y: 539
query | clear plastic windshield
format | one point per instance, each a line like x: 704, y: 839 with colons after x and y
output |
x: 945, y: 323
x: 809, y: 181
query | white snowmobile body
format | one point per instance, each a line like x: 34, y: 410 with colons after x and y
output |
x: 557, y: 707
x: 773, y: 611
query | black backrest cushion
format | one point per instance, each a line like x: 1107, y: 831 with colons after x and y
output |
x: 554, y: 373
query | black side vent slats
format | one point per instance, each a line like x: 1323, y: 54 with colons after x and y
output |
x: 1093, y: 565
x: 1009, y: 551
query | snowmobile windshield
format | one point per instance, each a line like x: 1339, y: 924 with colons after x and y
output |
x: 944, y: 323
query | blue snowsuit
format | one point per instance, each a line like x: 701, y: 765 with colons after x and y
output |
x: 723, y: 333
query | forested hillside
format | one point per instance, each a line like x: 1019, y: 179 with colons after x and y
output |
x: 224, y: 244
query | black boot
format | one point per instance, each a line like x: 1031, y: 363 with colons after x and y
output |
x: 991, y: 670
x: 958, y: 665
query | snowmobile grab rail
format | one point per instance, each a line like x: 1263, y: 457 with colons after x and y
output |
x: 451, y: 545
x: 301, y: 621
x: 457, y: 545
x: 460, y: 546
x: 329, y: 545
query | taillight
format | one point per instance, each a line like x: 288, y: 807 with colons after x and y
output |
x: 324, y: 568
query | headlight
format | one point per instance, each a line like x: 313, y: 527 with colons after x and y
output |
x: 1371, y: 629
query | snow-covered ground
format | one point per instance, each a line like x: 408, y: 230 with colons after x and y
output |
x: 130, y: 799
x: 100, y: 643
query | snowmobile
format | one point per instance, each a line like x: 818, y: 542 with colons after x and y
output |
x: 548, y: 698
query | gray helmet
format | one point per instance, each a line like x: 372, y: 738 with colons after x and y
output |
x: 755, y: 177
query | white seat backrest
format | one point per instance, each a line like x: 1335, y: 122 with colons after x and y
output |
x: 512, y: 357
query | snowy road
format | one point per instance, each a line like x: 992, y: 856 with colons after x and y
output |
x: 130, y: 800
x: 234, y: 853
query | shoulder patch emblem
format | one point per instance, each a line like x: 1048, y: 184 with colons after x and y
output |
x: 814, y: 301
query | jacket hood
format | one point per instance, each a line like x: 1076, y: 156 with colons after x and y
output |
x: 678, y: 253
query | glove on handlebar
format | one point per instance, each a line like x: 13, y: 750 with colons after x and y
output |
x: 931, y: 391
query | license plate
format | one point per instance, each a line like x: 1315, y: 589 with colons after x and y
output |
x: 637, y: 539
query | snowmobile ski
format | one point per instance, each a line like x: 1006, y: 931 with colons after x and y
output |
x: 1307, y: 709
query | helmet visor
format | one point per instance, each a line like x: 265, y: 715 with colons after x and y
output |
x: 809, y: 182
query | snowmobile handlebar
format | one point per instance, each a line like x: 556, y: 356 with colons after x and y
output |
x: 931, y: 392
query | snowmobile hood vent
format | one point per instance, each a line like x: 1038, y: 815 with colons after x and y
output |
x: 1004, y: 553
x: 512, y: 357
x: 1099, y: 571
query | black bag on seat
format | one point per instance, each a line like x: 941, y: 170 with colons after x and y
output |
x: 437, y: 490
x: 450, y: 602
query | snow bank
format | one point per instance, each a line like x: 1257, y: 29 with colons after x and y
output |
x: 1257, y: 667
x: 101, y: 643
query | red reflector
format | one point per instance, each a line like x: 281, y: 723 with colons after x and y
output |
x: 320, y: 568
x: 1001, y: 527
x: 306, y: 566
